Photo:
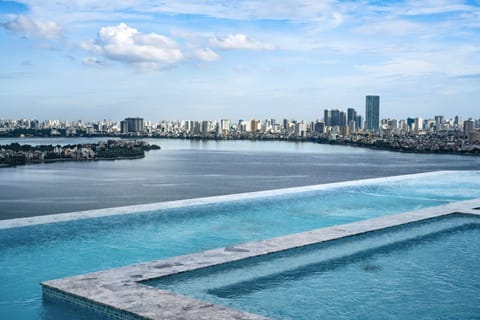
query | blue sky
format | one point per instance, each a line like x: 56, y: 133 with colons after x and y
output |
x: 211, y: 59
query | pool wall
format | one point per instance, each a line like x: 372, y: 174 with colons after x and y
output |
x: 120, y: 292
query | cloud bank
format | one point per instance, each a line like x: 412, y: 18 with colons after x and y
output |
x: 33, y: 28
x: 125, y: 44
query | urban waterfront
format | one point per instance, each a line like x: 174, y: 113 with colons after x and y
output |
x: 185, y: 160
x: 416, y: 135
x: 185, y: 169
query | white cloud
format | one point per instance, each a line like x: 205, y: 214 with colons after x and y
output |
x: 33, y: 28
x: 125, y: 44
x: 206, y: 54
x: 91, y: 61
x: 240, y: 41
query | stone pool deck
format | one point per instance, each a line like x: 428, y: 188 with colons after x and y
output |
x: 119, y: 293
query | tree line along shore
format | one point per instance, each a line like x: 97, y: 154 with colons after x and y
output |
x: 15, y: 154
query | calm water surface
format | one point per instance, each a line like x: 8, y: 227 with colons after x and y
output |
x: 189, y: 169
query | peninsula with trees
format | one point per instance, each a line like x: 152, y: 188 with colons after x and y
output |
x: 15, y: 154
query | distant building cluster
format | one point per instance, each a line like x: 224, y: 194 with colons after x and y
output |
x: 335, y: 125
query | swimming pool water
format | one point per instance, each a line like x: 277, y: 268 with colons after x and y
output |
x: 29, y: 255
x: 428, y: 270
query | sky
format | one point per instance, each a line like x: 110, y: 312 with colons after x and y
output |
x: 212, y: 59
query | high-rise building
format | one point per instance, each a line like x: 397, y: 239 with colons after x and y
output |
x: 352, y: 126
x: 372, y: 112
x: 300, y: 129
x: 342, y: 119
x: 205, y: 127
x: 458, y: 121
x: 439, y: 121
x: 334, y: 118
x: 123, y: 126
x: 224, y: 125
x: 393, y: 124
x: 286, y: 125
x: 327, y: 117
x: 319, y: 127
x: 253, y: 125
x: 133, y: 125
x: 359, y: 122
x: 351, y: 114
x: 418, y: 124
x: 411, y: 123
x: 196, y: 127
x: 468, y: 126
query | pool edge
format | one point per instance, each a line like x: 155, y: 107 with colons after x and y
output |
x: 124, y: 210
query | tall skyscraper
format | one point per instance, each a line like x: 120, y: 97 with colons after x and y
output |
x: 372, y: 112
x: 342, y: 119
x: 351, y: 114
x: 359, y: 122
x: 327, y: 117
x: 335, y: 118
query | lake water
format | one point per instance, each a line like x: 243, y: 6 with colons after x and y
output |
x: 189, y: 169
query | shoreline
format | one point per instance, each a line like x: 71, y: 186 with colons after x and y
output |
x: 71, y: 160
x: 475, y: 151
x: 16, y: 154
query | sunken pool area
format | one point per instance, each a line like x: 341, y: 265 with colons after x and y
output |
x: 396, y: 245
x: 422, y: 270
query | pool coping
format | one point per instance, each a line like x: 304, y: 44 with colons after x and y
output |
x: 119, y: 292
x: 116, y: 211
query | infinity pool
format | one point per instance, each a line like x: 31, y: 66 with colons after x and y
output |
x: 41, y: 252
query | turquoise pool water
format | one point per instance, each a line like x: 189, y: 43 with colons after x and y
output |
x: 29, y: 255
x: 425, y: 271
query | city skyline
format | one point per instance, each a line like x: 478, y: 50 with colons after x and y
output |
x: 90, y: 60
x: 333, y: 118
x: 321, y: 118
